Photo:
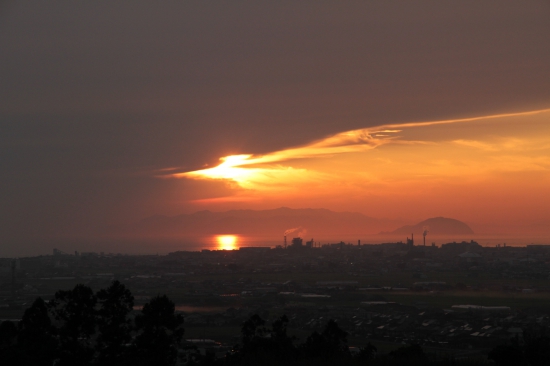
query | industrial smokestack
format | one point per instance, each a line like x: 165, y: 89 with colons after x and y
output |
x: 424, y: 234
x: 285, y: 241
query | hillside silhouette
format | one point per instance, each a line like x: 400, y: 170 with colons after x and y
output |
x: 435, y: 226
x: 272, y: 222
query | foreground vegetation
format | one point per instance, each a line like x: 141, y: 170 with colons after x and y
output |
x: 80, y: 327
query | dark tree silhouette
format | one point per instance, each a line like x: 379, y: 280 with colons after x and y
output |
x: 160, y: 332
x: 263, y: 346
x: 279, y: 334
x: 8, y: 338
x: 114, y: 325
x: 79, y: 327
x: 367, y: 353
x: 37, y: 339
x: 8, y: 334
x: 252, y: 329
x: 336, y: 338
x: 537, y: 348
x: 331, y: 343
x: 75, y: 311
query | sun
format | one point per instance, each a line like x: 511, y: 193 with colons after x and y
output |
x: 227, y: 242
x: 230, y: 168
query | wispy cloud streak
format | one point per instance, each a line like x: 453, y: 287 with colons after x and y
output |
x: 248, y: 168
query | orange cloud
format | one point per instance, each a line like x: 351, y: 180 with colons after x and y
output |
x: 383, y: 167
x: 247, y: 167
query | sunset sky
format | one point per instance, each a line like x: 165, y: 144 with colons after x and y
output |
x: 110, y: 113
x: 488, y: 170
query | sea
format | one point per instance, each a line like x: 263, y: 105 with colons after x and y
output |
x: 234, y: 242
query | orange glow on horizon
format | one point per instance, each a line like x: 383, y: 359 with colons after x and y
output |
x: 495, y: 167
x: 227, y: 242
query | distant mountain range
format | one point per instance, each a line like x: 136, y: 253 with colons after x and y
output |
x: 273, y: 222
x: 435, y: 226
x: 284, y: 221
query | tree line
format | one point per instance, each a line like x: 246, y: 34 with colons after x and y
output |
x: 80, y: 327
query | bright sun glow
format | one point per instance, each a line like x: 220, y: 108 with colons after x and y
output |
x: 227, y: 242
x: 228, y: 169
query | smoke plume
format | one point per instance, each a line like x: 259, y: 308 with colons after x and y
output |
x: 300, y: 231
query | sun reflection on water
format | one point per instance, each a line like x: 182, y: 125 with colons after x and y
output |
x: 227, y: 242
